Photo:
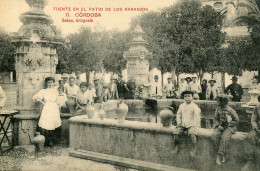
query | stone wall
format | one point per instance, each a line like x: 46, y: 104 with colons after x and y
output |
x: 150, y: 142
x: 207, y: 110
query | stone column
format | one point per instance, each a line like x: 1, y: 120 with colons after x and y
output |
x: 138, y: 59
x: 35, y: 56
x: 36, y: 59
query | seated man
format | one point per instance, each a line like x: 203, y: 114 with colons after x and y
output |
x: 188, y: 120
x: 227, y: 120
x: 253, y: 141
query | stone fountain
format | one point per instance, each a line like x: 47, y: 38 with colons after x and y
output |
x: 138, y: 59
x: 36, y: 58
x: 254, y: 93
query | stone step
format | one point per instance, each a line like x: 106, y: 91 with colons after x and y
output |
x: 121, y: 161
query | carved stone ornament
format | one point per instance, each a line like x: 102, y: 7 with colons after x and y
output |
x: 32, y: 80
x: 142, y: 55
x: 34, y: 58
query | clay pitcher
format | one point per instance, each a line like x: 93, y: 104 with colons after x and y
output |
x: 38, y: 141
x: 90, y: 110
x: 166, y: 116
x: 102, y: 112
x: 121, y: 112
x: 71, y: 104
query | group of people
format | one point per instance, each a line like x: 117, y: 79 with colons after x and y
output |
x: 225, y: 119
x: 205, y: 91
x: 71, y: 90
x: 188, y: 120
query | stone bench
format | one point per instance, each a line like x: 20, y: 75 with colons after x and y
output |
x: 150, y: 142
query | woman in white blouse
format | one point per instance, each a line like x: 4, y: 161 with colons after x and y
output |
x: 50, y: 115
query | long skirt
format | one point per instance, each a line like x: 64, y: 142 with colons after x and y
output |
x: 50, y: 116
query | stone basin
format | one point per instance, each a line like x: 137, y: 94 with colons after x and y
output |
x: 150, y: 142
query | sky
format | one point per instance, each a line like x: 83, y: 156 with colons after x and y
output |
x: 10, y: 11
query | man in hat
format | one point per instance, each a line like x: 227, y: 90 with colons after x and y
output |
x: 252, y: 142
x: 226, y: 120
x: 235, y: 89
x: 78, y: 81
x: 156, y: 87
x: 188, y: 85
x: 2, y: 97
x: 131, y: 88
x: 212, y: 90
x: 195, y: 88
x: 113, y: 88
x: 188, y: 120
x: 99, y: 90
x: 169, y: 88
x: 121, y: 87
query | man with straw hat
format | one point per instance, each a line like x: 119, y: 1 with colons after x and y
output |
x: 195, y: 88
x: 169, y: 88
x: 212, y: 90
x: 155, y: 87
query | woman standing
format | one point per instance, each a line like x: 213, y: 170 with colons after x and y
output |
x: 50, y: 116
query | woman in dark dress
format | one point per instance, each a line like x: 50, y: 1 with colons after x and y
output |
x: 204, y: 87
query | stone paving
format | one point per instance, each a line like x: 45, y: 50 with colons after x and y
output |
x: 65, y: 162
x: 50, y: 159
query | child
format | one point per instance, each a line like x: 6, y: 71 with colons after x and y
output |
x: 227, y: 120
x: 83, y: 97
x: 92, y: 91
x: 106, y: 93
x: 62, y: 99
x: 188, y: 120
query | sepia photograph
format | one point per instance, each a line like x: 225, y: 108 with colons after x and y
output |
x: 130, y: 85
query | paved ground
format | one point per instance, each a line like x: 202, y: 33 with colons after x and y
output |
x: 51, y: 159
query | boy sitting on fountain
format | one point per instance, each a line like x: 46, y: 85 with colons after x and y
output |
x: 188, y: 120
x: 227, y: 120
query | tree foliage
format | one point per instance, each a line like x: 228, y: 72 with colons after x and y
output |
x: 116, y: 45
x: 252, y: 20
x: 7, y: 61
x: 185, y: 36
x: 93, y: 51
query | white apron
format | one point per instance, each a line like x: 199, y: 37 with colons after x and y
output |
x: 50, y: 116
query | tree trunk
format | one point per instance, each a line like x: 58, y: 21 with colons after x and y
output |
x: 223, y: 81
x: 173, y: 72
x: 162, y: 76
x: 87, y: 75
x: 200, y: 75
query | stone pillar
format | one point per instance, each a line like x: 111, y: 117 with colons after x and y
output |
x: 35, y: 56
x: 36, y: 59
x: 138, y: 59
